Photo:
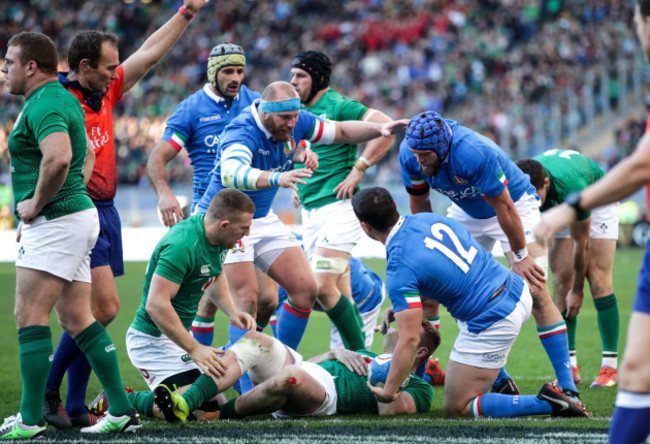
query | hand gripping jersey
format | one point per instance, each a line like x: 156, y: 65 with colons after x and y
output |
x: 475, y: 169
x: 567, y: 171
x: 259, y: 150
x: 434, y: 257
x: 197, y: 124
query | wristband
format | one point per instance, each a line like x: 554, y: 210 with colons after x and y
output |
x: 573, y: 200
x: 185, y: 13
x: 362, y: 164
x: 520, y: 255
x: 274, y: 179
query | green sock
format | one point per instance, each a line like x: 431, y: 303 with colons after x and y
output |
x: 571, y: 327
x: 228, y: 410
x: 99, y: 349
x: 203, y: 389
x: 142, y: 401
x: 344, y: 319
x: 608, y: 322
x: 359, y: 320
x: 35, y: 351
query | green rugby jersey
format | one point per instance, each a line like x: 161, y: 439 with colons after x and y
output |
x: 49, y: 109
x: 334, y: 161
x: 183, y: 256
x: 567, y: 171
x: 355, y: 397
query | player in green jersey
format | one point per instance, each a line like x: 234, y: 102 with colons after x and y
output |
x: 330, y: 229
x: 59, y: 227
x: 584, y: 249
x: 332, y: 383
x: 187, y: 260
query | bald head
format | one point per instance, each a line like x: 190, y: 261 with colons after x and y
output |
x: 279, y: 91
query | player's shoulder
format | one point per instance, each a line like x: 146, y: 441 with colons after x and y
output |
x: 248, y: 94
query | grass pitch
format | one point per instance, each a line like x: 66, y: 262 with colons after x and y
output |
x: 527, y: 363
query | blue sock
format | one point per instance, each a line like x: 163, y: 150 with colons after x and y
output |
x: 502, y: 376
x: 78, y: 376
x: 556, y: 343
x: 203, y: 330
x: 631, y: 420
x: 235, y: 333
x: 496, y: 405
x: 421, y: 371
x: 66, y: 352
x: 292, y: 322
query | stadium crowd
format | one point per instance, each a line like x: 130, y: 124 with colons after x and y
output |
x: 496, y: 66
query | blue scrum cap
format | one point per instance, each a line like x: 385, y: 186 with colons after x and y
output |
x: 429, y: 131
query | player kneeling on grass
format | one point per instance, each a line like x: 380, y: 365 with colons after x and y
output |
x: 433, y: 257
x: 286, y: 386
x: 186, y: 261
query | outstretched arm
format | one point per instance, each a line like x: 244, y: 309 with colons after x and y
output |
x: 373, y: 152
x: 157, y: 45
x: 621, y: 181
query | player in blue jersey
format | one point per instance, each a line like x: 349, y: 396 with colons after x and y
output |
x: 196, y: 126
x: 433, y: 257
x: 256, y: 154
x: 494, y: 201
x: 631, y: 420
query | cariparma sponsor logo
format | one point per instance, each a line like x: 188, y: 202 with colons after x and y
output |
x: 493, y: 357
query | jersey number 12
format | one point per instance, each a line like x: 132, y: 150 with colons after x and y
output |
x: 461, y: 257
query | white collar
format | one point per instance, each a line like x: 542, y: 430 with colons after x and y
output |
x: 207, y: 88
x: 258, y: 121
x: 394, y: 230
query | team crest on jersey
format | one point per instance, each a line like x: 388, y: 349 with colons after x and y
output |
x: 239, y: 247
x: 205, y: 270
x: 289, y: 147
x: 460, y: 180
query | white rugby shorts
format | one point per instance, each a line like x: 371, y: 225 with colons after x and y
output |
x: 333, y: 226
x: 60, y: 246
x: 604, y: 223
x: 157, y: 358
x: 490, y: 348
x: 488, y: 231
x: 328, y: 407
x: 267, y: 233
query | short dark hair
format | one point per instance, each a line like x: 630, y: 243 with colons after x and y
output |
x: 88, y: 45
x: 37, y: 47
x: 535, y: 170
x: 376, y: 207
x: 230, y: 204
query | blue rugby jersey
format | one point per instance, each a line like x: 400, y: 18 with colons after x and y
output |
x: 196, y: 125
x: 432, y: 256
x: 267, y: 154
x: 475, y: 169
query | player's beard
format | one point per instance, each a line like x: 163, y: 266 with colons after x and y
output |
x: 432, y: 170
x: 278, y: 134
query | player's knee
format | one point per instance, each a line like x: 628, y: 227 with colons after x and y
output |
x: 106, y: 311
x: 206, y: 309
x: 265, y: 308
x: 454, y: 410
x: 634, y: 373
x: 287, y: 380
x: 247, y: 301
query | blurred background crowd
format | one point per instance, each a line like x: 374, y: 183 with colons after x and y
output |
x: 531, y: 74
